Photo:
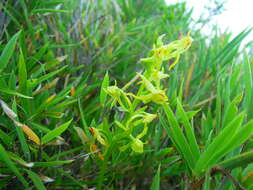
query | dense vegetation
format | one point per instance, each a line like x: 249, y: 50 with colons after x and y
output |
x: 123, y: 94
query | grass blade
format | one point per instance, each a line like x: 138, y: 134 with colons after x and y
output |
x: 104, y: 85
x: 248, y: 85
x: 179, y: 137
x: 242, y: 135
x: 5, y: 158
x: 218, y: 144
x: 52, y: 163
x: 12, y: 92
x: 55, y: 132
x: 8, y: 51
x: 237, y: 161
x: 36, y: 180
x: 189, y: 130
x: 156, y: 181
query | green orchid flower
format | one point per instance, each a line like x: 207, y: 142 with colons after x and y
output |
x: 137, y: 145
x: 155, y: 95
x: 135, y: 142
x: 118, y: 96
x: 150, y: 91
x: 163, y: 52
x: 139, y: 118
x: 156, y: 76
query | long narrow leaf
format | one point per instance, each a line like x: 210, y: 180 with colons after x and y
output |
x: 237, y: 161
x: 156, y: 181
x: 36, y: 180
x: 55, y: 132
x: 5, y: 158
x: 189, y: 130
x: 242, y: 135
x: 179, y: 137
x: 8, y: 51
x: 104, y: 85
x: 218, y: 144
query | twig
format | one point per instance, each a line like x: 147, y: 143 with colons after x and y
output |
x: 228, y: 175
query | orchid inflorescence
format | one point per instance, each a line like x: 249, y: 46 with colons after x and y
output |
x: 150, y: 90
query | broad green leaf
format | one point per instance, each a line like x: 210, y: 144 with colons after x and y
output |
x: 21, y: 136
x: 104, y: 85
x: 8, y: 51
x: 55, y: 132
x: 12, y: 81
x: 22, y: 74
x: 23, y: 142
x: 63, y: 104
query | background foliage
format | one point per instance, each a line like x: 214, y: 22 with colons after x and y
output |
x: 53, y: 58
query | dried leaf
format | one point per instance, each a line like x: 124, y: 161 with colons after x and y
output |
x: 31, y: 135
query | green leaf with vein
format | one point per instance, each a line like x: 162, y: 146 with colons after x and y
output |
x: 105, y: 84
x: 8, y: 51
x: 55, y: 132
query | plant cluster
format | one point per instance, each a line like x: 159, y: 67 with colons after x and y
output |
x: 150, y: 90
x: 80, y: 108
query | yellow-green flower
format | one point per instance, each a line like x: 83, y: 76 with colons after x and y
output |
x: 119, y: 96
x: 139, y: 118
x: 156, y: 76
x: 163, y: 52
x: 155, y: 95
x: 137, y: 145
